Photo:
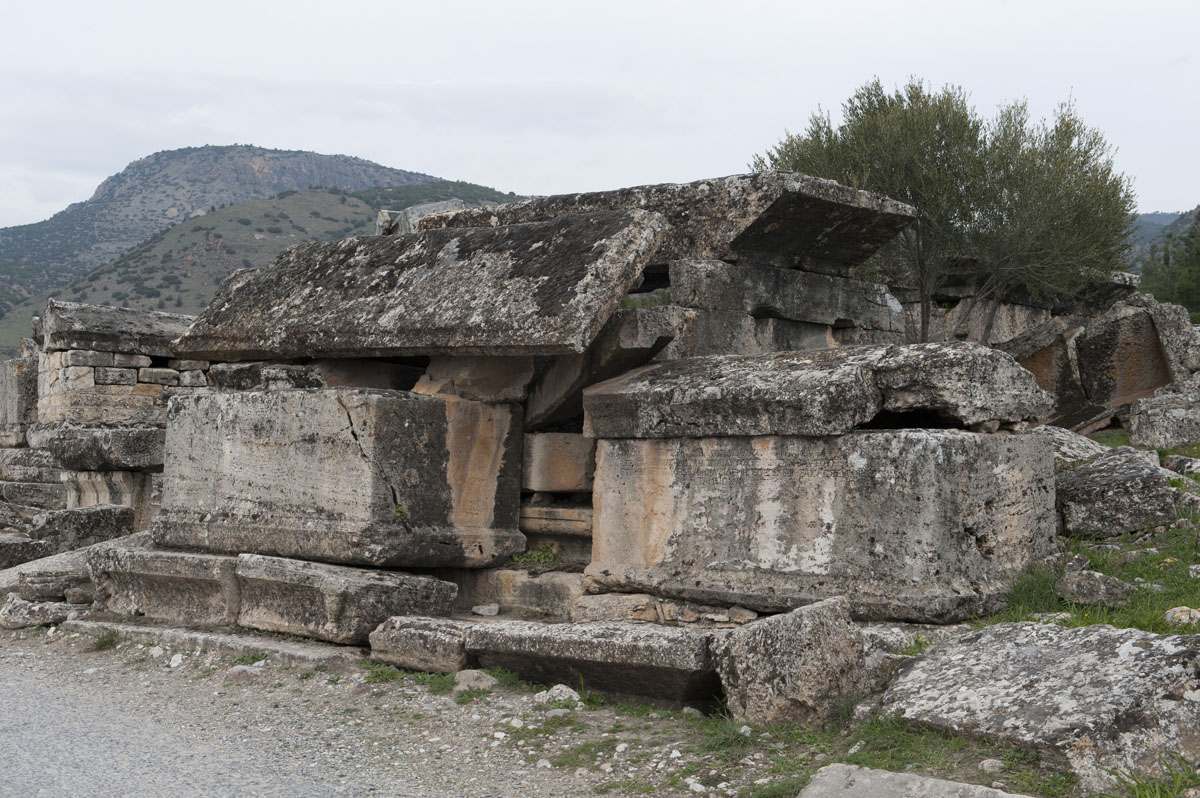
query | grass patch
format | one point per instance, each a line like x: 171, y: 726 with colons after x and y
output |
x: 628, y: 786
x: 1177, y: 778
x: 249, y: 658
x: 782, y: 788
x: 106, y: 641
x: 379, y: 673
x: 547, y: 727
x: 720, y: 736
x: 583, y: 754
x: 467, y: 696
x: 539, y: 556
x: 305, y: 674
x: 1113, y: 436
x: 513, y: 680
x: 436, y: 683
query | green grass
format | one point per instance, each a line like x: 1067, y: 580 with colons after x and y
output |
x: 379, y: 673
x: 1178, y: 776
x: 539, y: 556
x: 583, y: 754
x: 249, y: 658
x: 650, y: 299
x: 1113, y: 436
x: 513, y: 680
x: 436, y: 683
x: 468, y: 696
x: 106, y: 641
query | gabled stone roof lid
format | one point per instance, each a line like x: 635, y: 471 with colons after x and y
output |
x: 543, y: 288
x: 778, y: 218
x: 815, y: 392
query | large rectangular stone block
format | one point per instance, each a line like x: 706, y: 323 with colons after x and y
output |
x: 72, y: 325
x: 919, y: 525
x: 355, y: 476
x: 332, y: 602
x: 177, y: 587
x: 18, y: 391
x: 558, y: 462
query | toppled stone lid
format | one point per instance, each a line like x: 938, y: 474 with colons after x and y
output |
x: 777, y: 218
x: 73, y: 325
x: 543, y: 288
x: 816, y: 392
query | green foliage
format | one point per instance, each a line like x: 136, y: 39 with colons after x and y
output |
x: 650, y: 299
x: 468, y: 696
x: 1178, y: 777
x: 539, y: 556
x: 249, y: 658
x: 106, y: 641
x: 400, y: 512
x: 1172, y: 272
x: 1004, y: 202
x: 379, y: 673
x: 436, y: 683
x: 513, y: 680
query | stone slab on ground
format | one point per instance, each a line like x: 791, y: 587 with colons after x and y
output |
x: 793, y: 668
x: 783, y: 218
x: 1092, y: 697
x: 917, y: 525
x: 73, y: 325
x: 819, y: 392
x: 421, y: 644
x: 176, y: 587
x: 850, y: 781
x: 766, y: 292
x: 532, y: 289
x: 101, y: 448
x: 354, y: 476
x: 284, y: 652
x: 664, y: 663
x: 331, y: 602
x: 1116, y: 492
x: 17, y: 613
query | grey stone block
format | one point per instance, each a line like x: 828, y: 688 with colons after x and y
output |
x: 18, y: 392
x: 544, y: 596
x: 158, y: 376
x: 537, y: 289
x: 64, y: 530
x: 72, y: 325
x: 1113, y: 493
x: 558, y: 462
x: 850, y: 781
x: 421, y: 644
x: 17, y: 613
x: 88, y: 357
x: 332, y: 602
x: 17, y: 548
x: 178, y: 587
x: 98, y: 448
x: 128, y: 361
x: 29, y: 465
x: 115, y: 376
x: 360, y: 477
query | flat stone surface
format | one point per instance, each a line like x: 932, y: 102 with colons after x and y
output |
x: 783, y: 218
x: 176, y: 587
x: 1168, y: 418
x: 793, y: 668
x: 820, y: 392
x: 530, y: 289
x: 354, y: 476
x: 1070, y: 448
x: 666, y: 663
x: 1092, y: 697
x: 331, y: 602
x: 1113, y: 493
x: 850, y: 781
x: 73, y: 325
x: 918, y: 525
x: 102, y: 448
x: 767, y: 292
x: 421, y: 643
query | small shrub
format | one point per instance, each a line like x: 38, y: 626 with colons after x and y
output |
x: 106, y: 641
x: 379, y: 673
x: 539, y: 556
x: 250, y: 658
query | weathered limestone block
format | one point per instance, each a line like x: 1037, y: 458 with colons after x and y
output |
x: 130, y: 489
x: 331, y: 602
x: 1092, y: 697
x: 664, y: 663
x: 792, y: 668
x: 72, y: 394
x: 392, y: 222
x: 555, y: 519
x: 421, y: 644
x: 1070, y: 448
x: 192, y: 379
x: 88, y: 357
x: 1048, y: 351
x: 72, y: 325
x: 766, y: 292
x: 1113, y: 493
x: 95, y: 448
x: 483, y: 379
x: 46, y: 495
x: 18, y: 392
x: 68, y: 562
x: 1093, y: 587
x: 17, y: 548
x: 781, y: 218
x: 531, y: 289
x: 64, y: 530
x: 820, y: 392
x: 188, y: 365
x: 851, y: 781
x: 558, y: 462
x: 29, y: 465
x: 178, y: 587
x: 17, y: 613
x: 360, y: 477
x: 113, y: 376
x: 545, y: 596
x: 714, y: 332
x: 1178, y: 336
x: 126, y: 360
x: 158, y: 376
x: 1168, y: 418
x: 1121, y: 357
x: 48, y: 585
x: 920, y: 525
x: 644, y: 607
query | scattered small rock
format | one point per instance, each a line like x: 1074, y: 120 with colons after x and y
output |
x: 991, y: 766
x: 473, y: 680
x: 559, y: 692
x: 1181, y: 616
x: 487, y: 610
x: 242, y: 674
x: 1093, y: 587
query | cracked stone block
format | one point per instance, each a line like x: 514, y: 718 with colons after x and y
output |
x: 1092, y: 698
x: 343, y: 475
x: 1169, y: 417
x: 73, y: 325
x: 663, y: 663
x: 332, y: 602
x: 421, y: 644
x: 177, y: 587
x: 781, y: 218
x: 1113, y: 493
x: 532, y: 289
x: 51, y: 585
x: 17, y: 613
x: 919, y: 525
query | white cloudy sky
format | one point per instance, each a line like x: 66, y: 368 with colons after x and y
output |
x: 547, y: 97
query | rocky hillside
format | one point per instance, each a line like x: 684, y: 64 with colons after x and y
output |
x: 163, y: 189
x: 1153, y: 228
x: 179, y: 268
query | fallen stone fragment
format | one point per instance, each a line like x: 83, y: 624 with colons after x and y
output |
x: 1168, y: 418
x: 1094, y: 698
x: 487, y: 610
x: 50, y: 585
x: 1070, y: 448
x: 17, y: 613
x: 782, y: 218
x: 64, y: 530
x: 815, y: 393
x: 72, y: 325
x: 473, y: 680
x: 331, y: 602
x: 849, y: 781
x: 670, y: 664
x: 1112, y: 494
x: 792, y: 668
x: 1181, y: 616
x: 1092, y: 587
x: 421, y: 643
x: 180, y: 587
x: 532, y: 289
x: 559, y: 692
x: 822, y: 517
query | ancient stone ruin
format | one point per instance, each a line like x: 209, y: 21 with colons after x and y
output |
x: 658, y: 439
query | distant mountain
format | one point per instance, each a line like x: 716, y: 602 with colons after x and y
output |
x: 1153, y: 228
x: 159, y: 191
x: 180, y: 268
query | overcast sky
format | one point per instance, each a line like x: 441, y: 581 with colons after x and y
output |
x: 550, y: 97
